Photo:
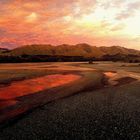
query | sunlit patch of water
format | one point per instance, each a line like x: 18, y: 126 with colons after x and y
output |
x: 30, y: 86
x: 110, y: 74
x: 10, y: 105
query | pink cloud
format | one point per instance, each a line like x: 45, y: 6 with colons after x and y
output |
x: 42, y: 21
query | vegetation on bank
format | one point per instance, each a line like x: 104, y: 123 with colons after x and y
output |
x: 56, y: 58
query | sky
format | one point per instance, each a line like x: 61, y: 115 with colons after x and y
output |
x: 96, y: 22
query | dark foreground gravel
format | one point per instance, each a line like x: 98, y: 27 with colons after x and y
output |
x: 110, y: 114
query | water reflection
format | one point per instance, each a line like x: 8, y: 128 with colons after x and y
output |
x: 110, y: 74
x: 31, y: 86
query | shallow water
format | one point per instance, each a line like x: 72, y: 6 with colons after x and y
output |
x: 110, y: 74
x: 8, y: 94
x: 30, y: 86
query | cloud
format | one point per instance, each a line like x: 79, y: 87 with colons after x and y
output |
x: 118, y: 27
x: 124, y: 15
x: 31, y: 17
x: 66, y: 21
x: 129, y: 11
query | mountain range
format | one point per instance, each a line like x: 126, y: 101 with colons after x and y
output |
x: 83, y: 50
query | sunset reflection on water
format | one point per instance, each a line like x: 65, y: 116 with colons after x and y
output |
x: 110, y: 74
x: 31, y: 86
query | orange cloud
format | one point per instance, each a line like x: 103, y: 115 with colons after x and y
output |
x: 66, y: 21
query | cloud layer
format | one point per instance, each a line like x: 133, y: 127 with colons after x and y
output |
x: 68, y: 21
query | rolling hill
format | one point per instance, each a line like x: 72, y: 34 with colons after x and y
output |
x: 84, y: 50
x: 113, y: 50
x: 64, y: 50
x: 79, y: 52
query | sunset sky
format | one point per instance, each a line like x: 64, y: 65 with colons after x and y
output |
x: 97, y: 22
